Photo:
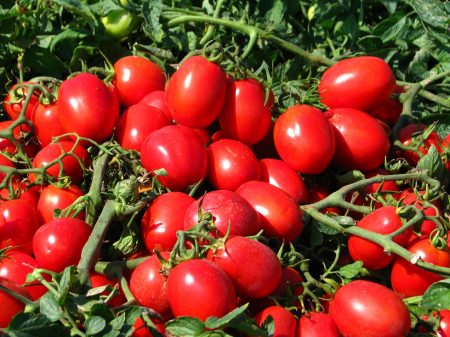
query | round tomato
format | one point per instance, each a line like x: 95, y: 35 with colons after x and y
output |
x: 119, y: 23
x: 42, y: 117
x: 196, y: 92
x: 316, y: 324
x: 10, y: 305
x: 284, y: 321
x: 361, y: 82
x: 367, y: 309
x: 304, y: 139
x: 157, y: 99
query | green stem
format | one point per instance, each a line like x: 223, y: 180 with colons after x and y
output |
x: 435, y: 98
x: 210, y: 31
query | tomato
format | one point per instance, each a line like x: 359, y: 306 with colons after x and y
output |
x: 42, y: 117
x: 4, y: 161
x: 157, y: 99
x: 284, y: 321
x: 100, y: 280
x: 408, y: 279
x: 18, y: 224
x: 53, y: 198
x: 266, y: 147
x: 278, y: 173
x: 252, y: 266
x: 178, y: 150
x: 87, y: 107
x: 316, y: 324
x: 200, y: 281
x: 230, y: 164
x: 290, y: 283
x: 141, y: 329
x: 228, y: 209
x: 304, y: 139
x: 70, y: 162
x: 136, y: 123
x: 58, y: 243
x: 317, y: 193
x: 10, y: 305
x: 119, y: 23
x: 444, y: 323
x: 367, y: 309
x: 15, y: 99
x: 361, y: 142
x: 7, y: 145
x: 148, y: 286
x: 383, y: 220
x: 280, y: 216
x: 21, y: 191
x: 361, y: 82
x: 163, y: 218
x: 246, y: 106
x: 196, y: 92
x: 388, y: 111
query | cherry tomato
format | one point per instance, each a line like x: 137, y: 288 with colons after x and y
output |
x: 316, y: 324
x: 367, y: 309
x: 280, y: 216
x: 361, y: 142
x: 178, y: 150
x: 100, y: 280
x: 10, y: 305
x: 196, y: 92
x: 42, y: 117
x: 157, y: 99
x: 361, y: 82
x: 198, y: 281
x: 304, y: 139
x: 284, y: 321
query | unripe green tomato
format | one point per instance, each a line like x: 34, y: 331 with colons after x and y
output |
x: 119, y: 23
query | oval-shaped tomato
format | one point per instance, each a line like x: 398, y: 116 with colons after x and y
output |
x: 198, y: 281
x: 376, y: 309
x: 196, y: 92
x: 304, y: 139
x: 22, y: 191
x: 10, y: 305
x: 361, y: 82
x: 157, y: 99
x: 361, y: 142
x: 178, y: 150
x: 316, y: 324
x: 388, y: 111
x: 284, y: 321
x: 119, y: 23
x: 42, y: 117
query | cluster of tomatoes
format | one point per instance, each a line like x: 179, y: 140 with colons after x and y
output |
x: 204, y: 127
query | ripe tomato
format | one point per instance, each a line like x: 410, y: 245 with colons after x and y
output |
x: 252, y: 266
x: 141, y: 329
x: 4, y: 161
x: 163, y: 218
x: 100, y: 280
x: 15, y: 99
x: 246, y: 106
x: 58, y: 243
x: 136, y: 123
x: 42, y: 117
x: 361, y: 142
x: 230, y: 164
x: 10, y: 305
x: 228, y: 209
x: 200, y: 281
x: 157, y: 99
x: 388, y: 111
x: 444, y: 323
x: 361, y: 82
x: 368, y: 309
x: 196, y: 92
x: 6, y: 145
x: 316, y: 324
x: 284, y: 321
x: 87, y: 107
x: 290, y: 283
x: 178, y: 150
x: 280, y: 216
x: 317, y: 193
x: 21, y: 191
x: 304, y: 139
x: 408, y: 279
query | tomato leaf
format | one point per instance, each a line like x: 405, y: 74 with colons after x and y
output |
x: 432, y: 162
x: 352, y: 270
x: 152, y: 12
x: 49, y: 306
x: 185, y: 327
x: 94, y: 325
x: 214, y: 322
x: 437, y: 296
x: 432, y: 12
x: 34, y: 325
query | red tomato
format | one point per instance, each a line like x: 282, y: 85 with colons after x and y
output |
x: 5, y: 162
x: 408, y: 279
x: 136, y: 123
x: 444, y: 323
x: 42, y: 117
x: 87, y: 107
x: 246, y: 106
x: 228, y: 209
x: 361, y: 142
x: 361, y: 82
x: 278, y: 173
x: 284, y: 321
x: 141, y: 329
x: 58, y: 243
x: 15, y: 99
x: 304, y: 139
x: 21, y: 191
x: 7, y: 145
x: 316, y: 324
x: 317, y: 193
x: 290, y: 283
x: 135, y: 77
x: 200, y: 289
x: 10, y: 305
x: 388, y: 111
x: 163, y: 218
x: 100, y: 280
x: 368, y: 309
x: 157, y: 99
x: 178, y: 150
x: 383, y: 220
x: 280, y: 216
x: 230, y: 164
x: 252, y: 266
x: 196, y: 92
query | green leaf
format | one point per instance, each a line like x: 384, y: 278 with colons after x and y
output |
x: 432, y: 162
x: 437, y: 296
x: 394, y: 31
x: 247, y: 326
x: 185, y: 327
x: 432, y: 12
x: 214, y: 322
x: 325, y: 229
x: 49, y: 306
x: 35, y: 325
x: 78, y: 7
x: 438, y: 51
x: 352, y: 270
x: 71, y: 34
x: 104, y: 7
x: 276, y: 14
x: 391, y: 5
x: 152, y: 11
x: 94, y: 325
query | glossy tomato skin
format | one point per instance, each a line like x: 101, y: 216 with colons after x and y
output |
x: 58, y: 243
x: 10, y: 305
x: 246, y: 106
x: 316, y: 324
x: 196, y: 92
x: 444, y: 323
x: 200, y: 281
x: 280, y: 216
x: 178, y: 150
x: 43, y: 116
x: 361, y: 82
x: 163, y: 218
x: 361, y: 142
x: 85, y: 113
x: 408, y: 279
x: 284, y: 321
x: 230, y: 164
x: 228, y: 209
x: 304, y: 139
x: 157, y: 99
x: 376, y: 309
x: 21, y: 191
x: 252, y: 266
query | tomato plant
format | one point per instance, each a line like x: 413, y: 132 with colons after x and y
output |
x: 316, y: 324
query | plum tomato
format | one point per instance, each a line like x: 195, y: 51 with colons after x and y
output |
x: 388, y: 111
x: 316, y: 324
x: 285, y: 323
x: 157, y: 99
x: 43, y: 116
x: 10, y: 305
